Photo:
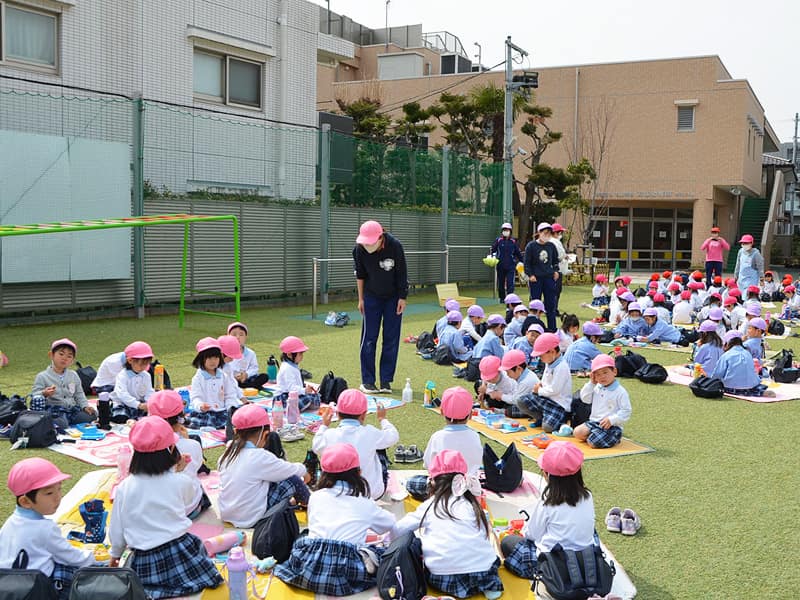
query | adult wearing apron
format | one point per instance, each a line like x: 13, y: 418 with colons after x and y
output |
x: 749, y: 264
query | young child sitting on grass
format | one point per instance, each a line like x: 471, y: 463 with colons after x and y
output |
x: 61, y: 389
x: 494, y: 383
x: 611, y: 405
x: 245, y: 369
x: 736, y: 370
x: 551, y: 399
x: 452, y: 339
x: 580, y: 354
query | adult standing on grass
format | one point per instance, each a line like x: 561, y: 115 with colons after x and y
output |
x: 382, y: 280
x: 541, y: 267
x: 749, y: 264
x: 563, y: 261
x: 506, y: 250
x: 713, y: 247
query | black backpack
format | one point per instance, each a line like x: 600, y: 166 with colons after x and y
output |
x: 10, y: 408
x: 275, y: 534
x: 651, y: 373
x: 607, y: 336
x: 37, y: 426
x: 425, y: 342
x: 473, y: 371
x: 441, y: 355
x: 574, y: 574
x: 401, y: 575
x: 776, y: 327
x: 783, y: 371
x: 21, y: 583
x: 627, y: 364
x: 119, y: 583
x: 503, y: 474
x: 330, y: 387
x: 86, y: 375
x: 707, y: 387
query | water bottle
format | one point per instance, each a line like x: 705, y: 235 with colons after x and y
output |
x: 103, y: 411
x: 293, y: 408
x: 225, y: 541
x: 124, y: 461
x: 237, y: 567
x: 408, y: 393
x: 277, y: 414
x: 158, y: 377
x: 272, y: 368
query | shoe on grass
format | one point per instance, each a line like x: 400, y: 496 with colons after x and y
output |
x: 368, y: 388
x: 614, y: 520
x: 400, y: 453
x: 412, y: 454
x: 370, y: 558
x: 386, y: 388
x: 630, y: 522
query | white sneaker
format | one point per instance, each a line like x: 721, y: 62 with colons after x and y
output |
x: 291, y: 433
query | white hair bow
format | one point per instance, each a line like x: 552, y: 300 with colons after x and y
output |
x: 462, y: 483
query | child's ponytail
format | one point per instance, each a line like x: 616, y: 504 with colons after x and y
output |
x: 240, y: 438
x: 441, y: 489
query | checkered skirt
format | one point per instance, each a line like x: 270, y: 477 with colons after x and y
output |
x: 522, y: 559
x: 293, y: 487
x: 61, y: 577
x: 178, y: 568
x: 603, y: 438
x: 326, y: 567
x: 211, y: 418
x: 553, y: 415
x: 417, y: 486
x: 463, y: 585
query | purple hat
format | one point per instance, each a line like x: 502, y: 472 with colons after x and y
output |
x: 634, y: 306
x: 753, y: 309
x: 715, y: 314
x: 733, y: 333
x: 592, y: 328
x: 512, y: 299
x: 758, y: 323
x: 707, y: 325
x: 648, y: 312
x: 495, y: 320
x: 454, y: 316
x: 451, y: 304
x: 536, y: 305
x: 628, y: 297
x: 520, y: 308
x: 475, y: 311
x: 537, y: 327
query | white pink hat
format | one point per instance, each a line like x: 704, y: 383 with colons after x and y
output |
x: 339, y: 458
x: 369, y: 232
x: 64, y: 342
x: 151, y: 434
x: 165, y: 404
x: 352, y: 402
x: 230, y: 346
x: 138, y: 350
x: 456, y: 403
x: 33, y: 474
x: 250, y: 416
x: 237, y: 324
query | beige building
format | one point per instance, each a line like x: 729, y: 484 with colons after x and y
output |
x: 678, y: 142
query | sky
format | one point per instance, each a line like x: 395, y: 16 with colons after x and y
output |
x: 760, y: 43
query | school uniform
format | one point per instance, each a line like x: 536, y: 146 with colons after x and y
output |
x: 663, y: 332
x: 254, y: 482
x: 327, y: 561
x: 645, y: 301
x: 149, y: 517
x: 468, y: 330
x: 664, y: 314
x: 737, y: 316
x: 67, y: 403
x: 439, y: 326
x: 366, y: 439
x: 513, y: 331
x: 696, y: 301
x: 682, y: 313
x: 793, y: 305
x: 554, y: 399
x: 249, y: 365
x: 130, y: 390
x: 453, y: 436
x: 194, y: 450
x: 218, y: 392
x: 107, y: 372
x: 290, y: 379
x: 452, y: 339
x: 631, y: 328
x: 522, y: 387
x: 565, y: 340
x: 600, y: 295
x: 735, y: 369
x: 504, y: 385
x: 488, y: 346
x: 459, y: 557
x: 580, y: 354
x: 541, y: 260
x: 522, y: 343
x: 770, y: 287
x: 708, y: 355
x: 229, y: 372
x: 610, y: 402
x: 755, y: 346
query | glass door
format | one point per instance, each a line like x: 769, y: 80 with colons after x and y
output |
x: 683, y: 245
x: 663, y: 238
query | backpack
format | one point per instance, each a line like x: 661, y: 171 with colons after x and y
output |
x: 330, y: 387
x: 10, y: 408
x: 275, y: 534
x: 86, y: 375
x: 120, y: 583
x: 37, y: 427
x: 441, y: 356
x: 425, y: 342
x: 783, y: 371
x: 152, y: 371
x: 607, y: 336
x: 473, y: 372
x: 651, y: 373
x: 776, y: 327
x: 342, y: 319
x: 401, y: 575
x: 707, y: 387
x: 574, y: 574
x: 21, y: 583
x: 627, y: 364
x: 503, y: 474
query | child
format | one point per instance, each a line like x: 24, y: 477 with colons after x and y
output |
x: 712, y: 301
x: 511, y: 301
x: 290, y: 379
x: 252, y: 480
x: 771, y: 290
x: 625, y: 301
x: 168, y: 405
x: 449, y: 306
x: 28, y: 535
x: 515, y: 366
x: 245, y: 369
x: 716, y: 287
x: 735, y: 312
x: 133, y: 385
x: 149, y: 517
x: 352, y: 408
x: 514, y: 328
x: 682, y: 311
x: 666, y: 279
x: 756, y: 329
x: 717, y: 316
x: 696, y: 297
x: 456, y: 409
x: 674, y: 290
x: 231, y: 352
x: 61, y: 388
x: 753, y: 294
x: 633, y: 325
x: 494, y: 383
x: 709, y: 347
x: 456, y: 539
x: 611, y: 405
x: 452, y: 339
x: 793, y: 302
x: 600, y: 295
x: 580, y: 354
x: 535, y: 314
x: 751, y: 311
x: 658, y: 331
x: 471, y: 326
x: 490, y: 342
x: 107, y: 372
x: 735, y: 369
x: 567, y: 331
x: 525, y: 342
x: 334, y: 559
x: 212, y: 393
x: 564, y: 514
x: 552, y: 398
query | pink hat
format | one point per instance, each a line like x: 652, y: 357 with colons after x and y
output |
x: 715, y: 314
x: 520, y: 308
x: 543, y: 226
x: 475, y: 311
x: 601, y: 361
x: 753, y: 309
x: 674, y: 287
x: 292, y: 344
x: 600, y: 278
x: 489, y: 367
x: 339, y: 458
x: 207, y: 343
x: 746, y: 239
x: 512, y: 359
x: 634, y: 306
x: 447, y: 461
x: 789, y: 289
x: 730, y: 300
x: 352, y: 402
x: 230, y: 346
x: 235, y: 325
x: 535, y: 327
x: 659, y: 298
x: 561, y: 459
x: 369, y: 232
x: 454, y: 316
x: 545, y: 343
x: 733, y: 333
x: 686, y: 294
x: 650, y: 312
x: 512, y: 299
x: 151, y: 434
x: 558, y: 227
x: 451, y: 304
x: 621, y: 292
x: 456, y: 403
x: 64, y: 342
x: 138, y: 350
x: 695, y: 285
x: 758, y: 323
x: 716, y: 295
x: 626, y: 279
x: 592, y: 328
x: 735, y: 292
x: 753, y: 289
x: 653, y: 284
x: 250, y: 416
x: 165, y: 404
x: 707, y: 325
x: 536, y: 305
x: 495, y: 319
x: 33, y: 474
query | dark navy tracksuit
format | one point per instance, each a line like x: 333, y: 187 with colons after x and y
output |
x: 507, y: 252
x: 541, y: 260
x: 385, y: 278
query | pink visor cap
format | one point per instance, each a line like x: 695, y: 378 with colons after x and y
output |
x: 250, y: 416
x: 64, y: 342
x: 151, y: 434
x: 449, y: 461
x: 230, y: 346
x: 352, y: 402
x: 561, y: 459
x: 165, y: 404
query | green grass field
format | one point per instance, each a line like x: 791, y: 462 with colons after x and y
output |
x: 718, y: 497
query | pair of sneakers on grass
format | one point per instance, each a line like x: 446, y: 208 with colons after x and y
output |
x: 626, y: 521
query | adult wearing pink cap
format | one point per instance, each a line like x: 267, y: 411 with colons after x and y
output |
x: 749, y: 268
x: 382, y: 281
x: 714, y: 246
x: 506, y: 250
x: 541, y: 267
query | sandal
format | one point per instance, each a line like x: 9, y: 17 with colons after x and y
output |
x: 412, y: 454
x: 400, y: 454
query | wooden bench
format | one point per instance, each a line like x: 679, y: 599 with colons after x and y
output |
x: 445, y: 291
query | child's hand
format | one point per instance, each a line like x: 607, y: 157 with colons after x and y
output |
x: 142, y: 406
x: 306, y: 477
x: 327, y: 415
x: 244, y: 400
x: 89, y: 410
x: 113, y: 563
x: 482, y: 388
x: 381, y: 412
x: 204, y: 407
x: 185, y: 460
x: 310, y: 389
x: 240, y: 376
x: 496, y: 395
x: 536, y: 388
x: 592, y: 378
x: 605, y: 423
x: 49, y: 391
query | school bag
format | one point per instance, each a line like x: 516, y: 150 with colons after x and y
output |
x: 574, y: 574
x: 627, y: 364
x: 776, y: 327
x: 330, y: 387
x: 35, y: 427
x: 86, y: 375
x: 21, y: 583
x: 651, y: 373
x: 275, y: 534
x: 472, y: 371
x: 607, y: 336
x: 783, y: 371
x: 342, y: 319
x: 10, y: 408
x: 502, y: 475
x: 441, y: 356
x: 401, y: 575
x: 707, y: 387
x: 425, y: 342
x: 119, y: 583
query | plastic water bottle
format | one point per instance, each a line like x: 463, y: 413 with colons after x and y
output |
x: 237, y: 567
x: 277, y: 414
x: 124, y: 461
x: 272, y: 368
x: 293, y: 408
x: 408, y: 393
x: 158, y: 377
x: 224, y: 541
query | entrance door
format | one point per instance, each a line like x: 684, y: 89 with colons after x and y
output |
x: 618, y: 242
x: 641, y: 240
x: 683, y: 245
x: 663, y: 244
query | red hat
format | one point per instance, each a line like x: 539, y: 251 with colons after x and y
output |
x: 735, y: 292
x: 561, y: 459
x: 730, y: 300
x: 230, y: 346
x: 352, y: 402
x: 666, y: 274
x: 655, y: 277
x: 165, y: 404
x: 686, y: 294
x: 449, y: 461
x: 489, y: 366
x: 545, y: 343
x: 339, y: 458
x: 697, y: 275
x: 33, y: 474
x: 600, y: 278
x: 717, y: 280
x: 558, y: 227
x: 715, y: 230
x: 250, y: 416
x: 456, y: 403
x: 788, y: 276
x: 151, y: 434
x: 753, y: 289
x: 674, y: 287
x: 789, y: 289
x: 659, y: 298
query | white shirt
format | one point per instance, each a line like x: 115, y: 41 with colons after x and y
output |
x: 456, y: 437
x: 109, y: 369
x: 523, y: 385
x: 570, y: 526
x: 450, y: 546
x: 504, y: 385
x: 564, y: 340
x: 195, y: 451
x: 150, y: 510
x: 469, y: 328
x: 664, y: 314
x: 131, y: 389
x: 230, y: 373
x: 244, y: 484
x: 289, y: 378
x: 563, y: 261
x: 366, y: 439
x: 248, y: 363
x: 557, y: 383
x: 737, y: 316
x: 41, y: 538
x: 612, y: 402
x: 218, y: 391
x: 682, y: 313
x: 599, y: 290
x: 334, y: 515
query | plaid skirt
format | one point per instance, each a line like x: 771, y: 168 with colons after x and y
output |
x: 62, y: 579
x: 463, y: 585
x: 553, y: 415
x: 417, y: 486
x: 326, y: 567
x: 601, y: 301
x: 211, y: 418
x: 603, y: 438
x: 178, y: 568
x: 121, y: 413
x: 292, y: 487
x: 522, y: 559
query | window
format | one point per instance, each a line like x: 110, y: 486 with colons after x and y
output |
x: 227, y: 79
x: 686, y: 118
x: 28, y: 36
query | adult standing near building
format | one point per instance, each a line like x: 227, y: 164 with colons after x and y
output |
x: 714, y: 247
x: 382, y: 281
x: 506, y: 250
x: 541, y: 267
x: 563, y: 262
x: 749, y: 264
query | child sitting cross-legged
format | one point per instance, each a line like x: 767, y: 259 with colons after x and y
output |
x: 756, y: 328
x: 494, y: 383
x: 658, y: 331
x: 579, y: 355
x: 452, y: 339
x: 490, y: 344
x: 515, y: 366
x: 611, y: 405
x: 633, y: 325
x: 736, y: 370
x: 213, y: 392
x: 133, y: 385
x: 551, y: 399
x: 245, y: 368
x: 290, y: 379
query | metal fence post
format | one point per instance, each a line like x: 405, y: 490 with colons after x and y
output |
x: 325, y: 205
x: 445, y: 207
x: 138, y: 205
x: 314, y: 288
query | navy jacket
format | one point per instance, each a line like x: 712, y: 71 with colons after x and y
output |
x: 541, y: 259
x: 508, y: 253
x: 384, y: 272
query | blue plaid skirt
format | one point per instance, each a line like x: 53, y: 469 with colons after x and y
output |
x: 603, y: 438
x: 293, y: 487
x: 62, y: 579
x: 178, y: 568
x: 417, y: 486
x: 211, y: 418
x: 326, y: 567
x: 304, y: 401
x: 121, y: 413
x: 601, y: 301
x: 522, y: 559
x: 553, y: 415
x: 463, y: 585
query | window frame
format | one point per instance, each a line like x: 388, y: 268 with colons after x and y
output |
x: 694, y: 119
x: 22, y: 63
x: 225, y: 99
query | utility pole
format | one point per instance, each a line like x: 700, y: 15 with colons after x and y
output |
x: 508, y: 138
x: 478, y: 56
x: 387, y: 26
x: 795, y: 186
